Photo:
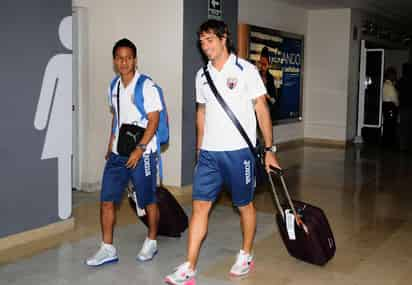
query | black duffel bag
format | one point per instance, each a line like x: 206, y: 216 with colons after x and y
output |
x: 173, y: 220
x: 129, y: 137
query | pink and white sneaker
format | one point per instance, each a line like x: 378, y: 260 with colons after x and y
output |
x: 183, y: 275
x: 244, y: 263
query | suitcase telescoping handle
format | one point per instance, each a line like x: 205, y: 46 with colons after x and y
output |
x: 279, y: 173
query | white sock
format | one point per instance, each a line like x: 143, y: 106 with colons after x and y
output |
x: 109, y: 247
x: 242, y: 252
x: 150, y: 240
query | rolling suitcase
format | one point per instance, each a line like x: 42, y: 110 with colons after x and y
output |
x: 173, y: 220
x: 304, y: 228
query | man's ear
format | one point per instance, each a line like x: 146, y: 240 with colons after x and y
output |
x: 224, y: 38
x: 115, y: 68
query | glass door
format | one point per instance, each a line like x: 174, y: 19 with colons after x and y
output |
x: 370, y: 90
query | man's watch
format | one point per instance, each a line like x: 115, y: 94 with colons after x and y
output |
x: 272, y: 148
x: 142, y: 146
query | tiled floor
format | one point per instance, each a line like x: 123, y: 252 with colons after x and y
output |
x: 366, y: 194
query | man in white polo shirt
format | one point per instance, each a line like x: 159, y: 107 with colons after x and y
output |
x: 223, y: 154
x: 140, y: 165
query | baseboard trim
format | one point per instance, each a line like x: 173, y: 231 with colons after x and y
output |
x: 179, y: 191
x: 90, y: 187
x: 19, y: 239
x: 313, y: 142
x: 290, y: 144
x: 325, y: 142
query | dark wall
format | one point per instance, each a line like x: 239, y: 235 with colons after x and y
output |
x: 195, y: 13
x: 28, y: 189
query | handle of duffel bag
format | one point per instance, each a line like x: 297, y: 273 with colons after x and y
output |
x: 279, y: 173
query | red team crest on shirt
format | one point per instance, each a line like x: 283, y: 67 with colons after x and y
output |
x: 231, y: 83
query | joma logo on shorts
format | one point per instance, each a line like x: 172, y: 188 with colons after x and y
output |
x: 248, y: 178
x: 146, y: 161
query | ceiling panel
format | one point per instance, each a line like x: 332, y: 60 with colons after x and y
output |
x: 397, y: 11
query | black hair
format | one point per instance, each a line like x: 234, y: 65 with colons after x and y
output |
x: 124, y: 43
x: 220, y: 29
x: 390, y: 74
x: 264, y: 52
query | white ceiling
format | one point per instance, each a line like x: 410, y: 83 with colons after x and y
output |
x: 397, y: 11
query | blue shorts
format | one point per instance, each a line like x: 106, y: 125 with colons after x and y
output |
x: 235, y: 169
x: 116, y: 177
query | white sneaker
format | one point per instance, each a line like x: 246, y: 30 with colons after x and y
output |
x: 183, y: 275
x: 244, y: 263
x: 148, y: 251
x: 106, y: 254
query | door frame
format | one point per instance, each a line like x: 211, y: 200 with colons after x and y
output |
x: 80, y: 93
x: 362, y: 87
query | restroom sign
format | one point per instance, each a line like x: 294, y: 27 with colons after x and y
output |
x: 215, y: 9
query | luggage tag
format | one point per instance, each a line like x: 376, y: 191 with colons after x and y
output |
x: 290, y: 224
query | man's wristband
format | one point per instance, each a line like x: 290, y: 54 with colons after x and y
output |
x: 272, y: 148
x: 142, y: 146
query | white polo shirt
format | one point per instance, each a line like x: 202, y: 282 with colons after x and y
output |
x: 239, y: 83
x: 390, y: 94
x: 129, y: 114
